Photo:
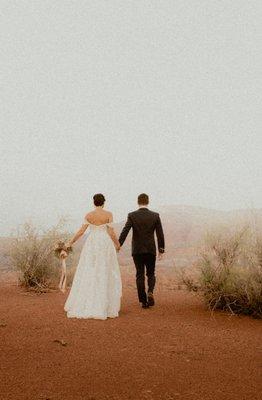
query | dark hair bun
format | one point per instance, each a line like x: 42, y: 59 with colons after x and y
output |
x: 99, y: 199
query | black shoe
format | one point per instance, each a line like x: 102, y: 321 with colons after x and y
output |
x: 151, y: 300
x: 145, y: 305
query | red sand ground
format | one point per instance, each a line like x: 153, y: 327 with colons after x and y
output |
x: 177, y: 350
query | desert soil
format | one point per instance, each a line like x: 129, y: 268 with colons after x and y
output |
x: 176, y: 350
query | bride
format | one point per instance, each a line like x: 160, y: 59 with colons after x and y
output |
x: 97, y: 288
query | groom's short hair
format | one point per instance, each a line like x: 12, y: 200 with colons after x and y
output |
x: 143, y: 199
x: 99, y: 199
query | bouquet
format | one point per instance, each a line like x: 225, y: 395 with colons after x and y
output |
x: 61, y: 251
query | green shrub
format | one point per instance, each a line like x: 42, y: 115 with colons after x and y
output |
x: 230, y: 273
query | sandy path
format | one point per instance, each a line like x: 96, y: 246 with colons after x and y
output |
x: 175, y: 351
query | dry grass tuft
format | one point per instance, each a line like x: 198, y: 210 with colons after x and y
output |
x: 230, y: 272
x: 33, y: 256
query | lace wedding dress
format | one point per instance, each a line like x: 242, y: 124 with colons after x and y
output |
x: 97, y: 288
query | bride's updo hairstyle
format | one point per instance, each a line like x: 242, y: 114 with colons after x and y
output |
x: 99, y: 199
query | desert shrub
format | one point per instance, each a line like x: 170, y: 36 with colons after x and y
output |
x: 33, y: 256
x: 230, y: 272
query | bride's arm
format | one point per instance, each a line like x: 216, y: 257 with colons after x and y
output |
x: 78, y: 234
x: 112, y: 234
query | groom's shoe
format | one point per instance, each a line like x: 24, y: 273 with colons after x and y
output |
x: 145, y: 304
x: 150, y: 299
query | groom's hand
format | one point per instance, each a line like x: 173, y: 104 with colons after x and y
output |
x: 160, y: 256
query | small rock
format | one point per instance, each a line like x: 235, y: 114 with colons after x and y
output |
x: 62, y: 342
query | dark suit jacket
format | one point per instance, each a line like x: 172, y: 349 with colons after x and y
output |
x: 144, y: 224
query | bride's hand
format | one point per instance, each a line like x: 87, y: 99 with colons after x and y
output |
x: 63, y: 254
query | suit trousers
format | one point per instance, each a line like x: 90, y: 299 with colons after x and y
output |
x: 144, y: 261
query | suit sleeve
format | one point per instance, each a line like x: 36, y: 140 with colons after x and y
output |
x: 125, y: 230
x: 160, y: 236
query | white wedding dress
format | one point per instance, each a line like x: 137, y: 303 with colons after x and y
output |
x: 97, y: 287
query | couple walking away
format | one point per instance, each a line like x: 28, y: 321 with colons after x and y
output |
x: 97, y: 288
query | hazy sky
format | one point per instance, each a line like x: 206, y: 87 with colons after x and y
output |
x: 122, y: 97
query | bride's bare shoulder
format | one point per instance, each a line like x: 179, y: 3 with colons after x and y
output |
x: 108, y: 212
x: 101, y: 216
x: 89, y: 215
x: 109, y: 216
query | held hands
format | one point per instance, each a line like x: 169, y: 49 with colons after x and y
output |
x: 118, y: 247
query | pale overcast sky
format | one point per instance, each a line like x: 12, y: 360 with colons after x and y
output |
x: 121, y: 97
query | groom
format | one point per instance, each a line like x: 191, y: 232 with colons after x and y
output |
x: 144, y: 224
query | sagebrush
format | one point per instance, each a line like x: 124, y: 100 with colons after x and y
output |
x: 230, y: 272
x: 33, y: 255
